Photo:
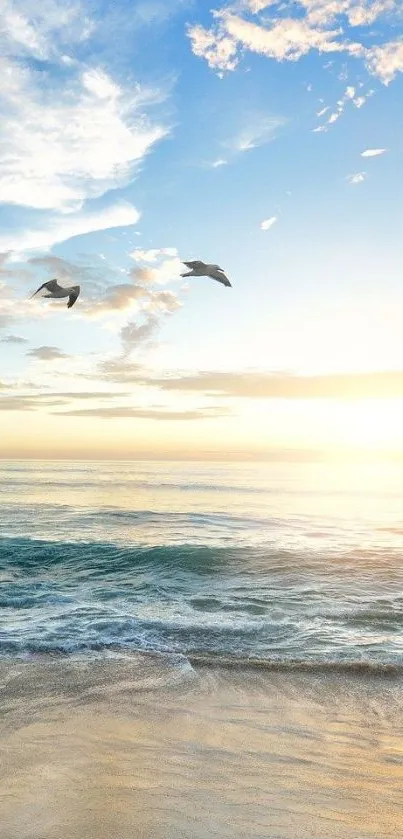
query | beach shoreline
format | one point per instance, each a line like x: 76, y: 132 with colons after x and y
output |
x: 143, y: 746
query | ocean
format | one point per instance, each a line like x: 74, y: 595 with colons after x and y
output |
x: 207, y: 649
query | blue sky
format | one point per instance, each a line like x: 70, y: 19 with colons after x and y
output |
x: 266, y: 137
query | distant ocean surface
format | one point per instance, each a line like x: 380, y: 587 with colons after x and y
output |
x: 286, y: 564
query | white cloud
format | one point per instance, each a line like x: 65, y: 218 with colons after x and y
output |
x: 286, y: 39
x: 257, y: 5
x: 15, y: 28
x: 39, y: 29
x: 347, y: 97
x: 59, y: 228
x: 100, y: 85
x: 268, y: 223
x: 166, y: 266
x: 219, y: 162
x: 68, y: 136
x: 60, y: 145
x: 140, y: 295
x: 118, y: 299
x: 364, y: 13
x: 58, y: 267
x: 153, y: 254
x: 134, y: 334
x: 372, y: 152
x: 304, y: 25
x: 47, y: 353
x: 218, y: 49
x: 163, y: 302
x: 386, y: 61
x: 358, y: 178
x: 357, y: 12
x: 13, y: 339
x: 3, y: 259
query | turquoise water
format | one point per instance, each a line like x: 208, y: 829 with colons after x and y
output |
x: 281, y: 563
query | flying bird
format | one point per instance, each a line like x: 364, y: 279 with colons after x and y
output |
x: 57, y: 291
x: 203, y: 269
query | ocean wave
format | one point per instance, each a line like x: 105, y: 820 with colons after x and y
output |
x: 61, y: 483
x: 110, y: 558
x: 363, y: 667
x: 226, y: 600
x: 359, y: 667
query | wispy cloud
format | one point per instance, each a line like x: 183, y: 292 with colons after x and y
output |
x: 161, y: 415
x: 146, y: 13
x: 12, y: 312
x: 122, y: 297
x: 357, y: 178
x: 13, y: 339
x: 158, y: 305
x: 152, y: 254
x: 257, y: 130
x: 57, y: 266
x: 373, y: 152
x: 42, y: 31
x: 62, y: 144
x: 166, y: 266
x: 70, y: 130
x: 95, y: 277
x: 256, y: 385
x: 25, y: 403
x: 164, y: 302
x: 268, y: 223
x: 134, y: 334
x: 56, y: 228
x: 122, y: 371
x: 140, y: 296
x: 348, y: 98
x: 47, y: 353
x: 39, y: 401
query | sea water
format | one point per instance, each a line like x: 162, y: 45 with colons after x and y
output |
x: 201, y: 650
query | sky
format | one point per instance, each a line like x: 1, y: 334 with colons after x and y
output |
x: 266, y: 137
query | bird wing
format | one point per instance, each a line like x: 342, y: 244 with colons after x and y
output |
x: 51, y: 285
x: 75, y: 291
x: 195, y: 264
x: 219, y: 276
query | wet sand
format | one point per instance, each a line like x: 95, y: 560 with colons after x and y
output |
x: 137, y: 747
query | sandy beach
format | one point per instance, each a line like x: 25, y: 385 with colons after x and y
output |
x: 146, y: 747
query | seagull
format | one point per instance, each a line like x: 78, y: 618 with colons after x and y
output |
x: 203, y: 269
x: 57, y: 291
